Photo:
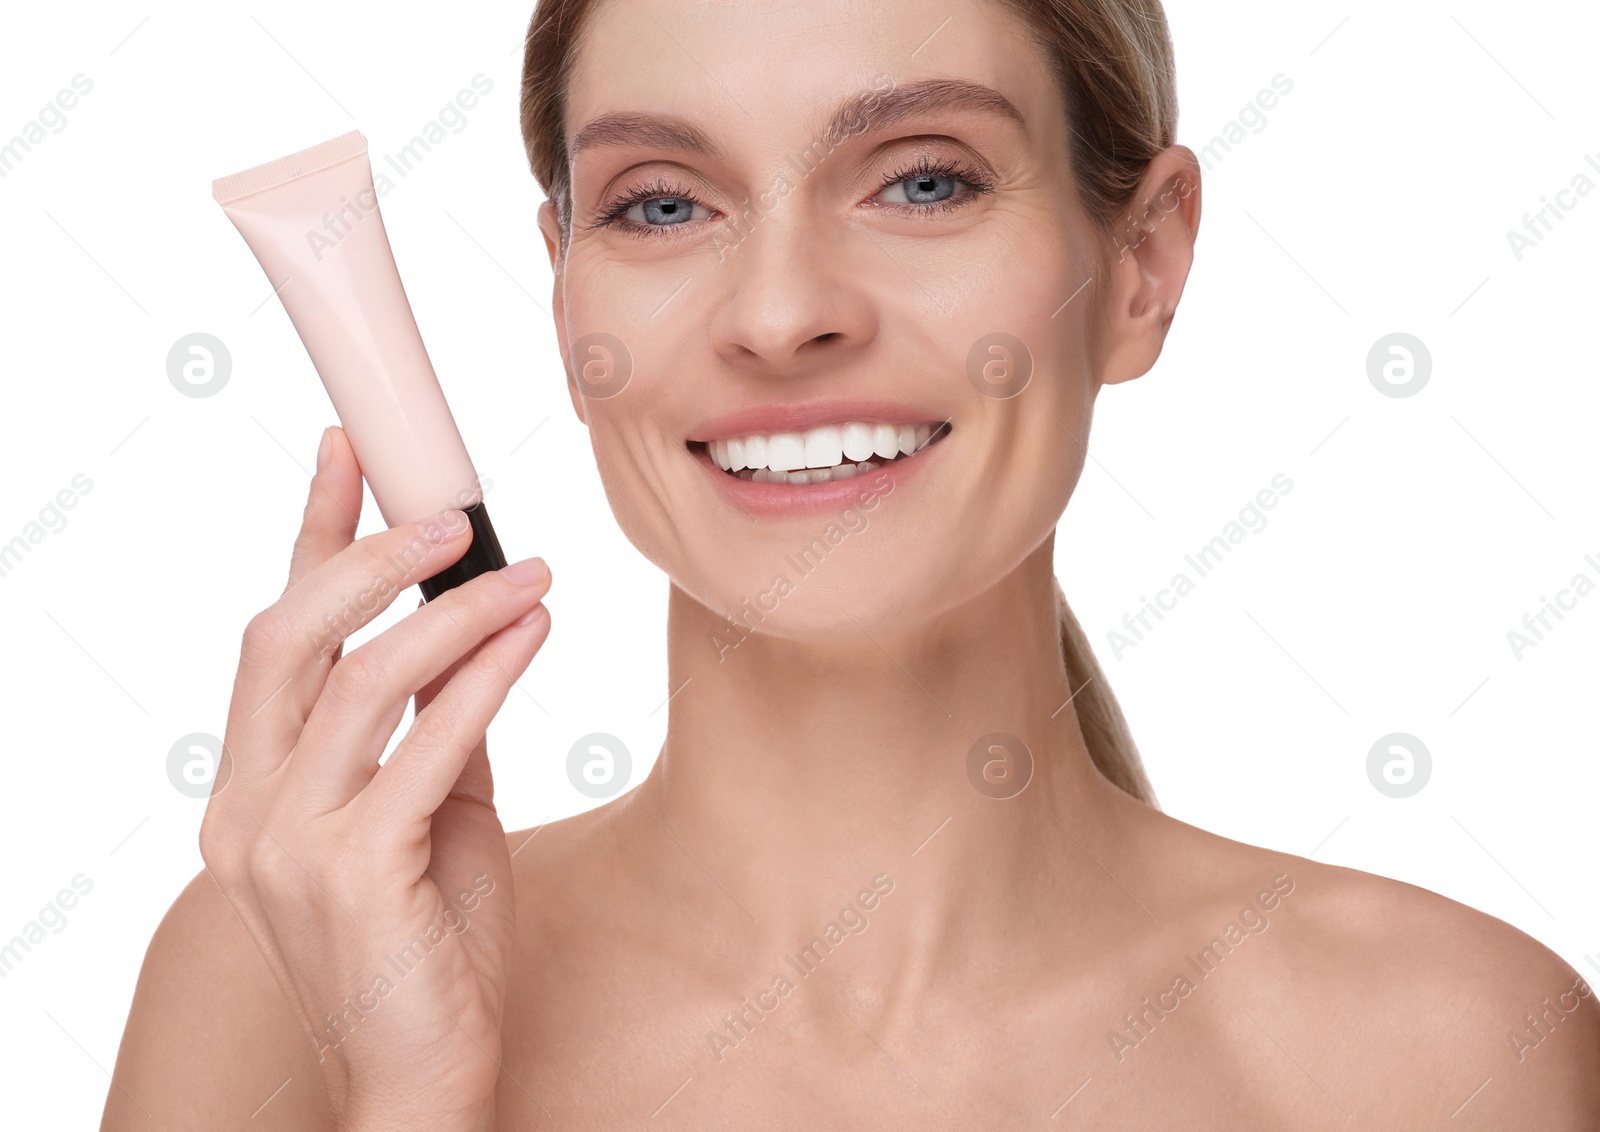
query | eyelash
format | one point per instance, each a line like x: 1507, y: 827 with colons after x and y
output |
x: 924, y: 166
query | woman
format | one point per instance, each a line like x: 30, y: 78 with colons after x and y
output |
x: 898, y: 864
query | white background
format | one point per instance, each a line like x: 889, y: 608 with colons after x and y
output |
x: 1419, y: 530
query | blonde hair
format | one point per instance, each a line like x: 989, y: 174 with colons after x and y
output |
x: 1113, y: 62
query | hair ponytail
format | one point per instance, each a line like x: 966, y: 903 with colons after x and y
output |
x: 1113, y: 61
x: 1100, y: 719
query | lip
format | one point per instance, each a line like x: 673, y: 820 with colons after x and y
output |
x: 803, y: 415
x: 778, y: 500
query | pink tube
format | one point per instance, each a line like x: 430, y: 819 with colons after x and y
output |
x: 312, y: 220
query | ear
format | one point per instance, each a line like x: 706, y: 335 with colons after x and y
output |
x: 1151, y: 260
x: 550, y: 229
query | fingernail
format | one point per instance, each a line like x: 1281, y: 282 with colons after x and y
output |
x: 531, y: 616
x: 323, y: 450
x: 529, y: 571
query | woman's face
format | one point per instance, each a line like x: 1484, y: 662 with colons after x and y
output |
x: 744, y: 284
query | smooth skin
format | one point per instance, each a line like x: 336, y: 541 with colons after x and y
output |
x: 1008, y: 942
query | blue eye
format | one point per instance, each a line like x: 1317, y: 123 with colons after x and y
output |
x: 926, y: 186
x: 923, y: 190
x: 931, y: 182
x: 652, y: 209
x: 662, y: 211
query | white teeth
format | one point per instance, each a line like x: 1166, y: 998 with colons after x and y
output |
x: 844, y: 449
x: 856, y: 438
x: 823, y: 447
x: 786, y: 451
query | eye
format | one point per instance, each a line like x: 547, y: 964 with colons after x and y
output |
x: 665, y: 211
x: 652, y: 210
x: 930, y: 185
x: 922, y: 190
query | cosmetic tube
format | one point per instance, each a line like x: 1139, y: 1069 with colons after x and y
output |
x: 312, y: 220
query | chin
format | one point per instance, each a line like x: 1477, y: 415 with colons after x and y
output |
x: 867, y: 588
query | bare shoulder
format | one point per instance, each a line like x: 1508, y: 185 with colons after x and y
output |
x: 1494, y: 1029
x: 1396, y: 1004
x: 210, y: 1041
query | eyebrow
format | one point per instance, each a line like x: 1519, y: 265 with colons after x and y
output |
x: 880, y: 109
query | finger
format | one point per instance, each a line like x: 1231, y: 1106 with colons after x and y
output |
x: 285, y: 655
x: 367, y: 692
x: 332, y: 507
x: 475, y: 781
x: 432, y: 761
x: 424, y: 695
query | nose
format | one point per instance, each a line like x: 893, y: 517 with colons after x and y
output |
x: 790, y: 301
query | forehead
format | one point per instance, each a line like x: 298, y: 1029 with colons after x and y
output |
x: 756, y: 68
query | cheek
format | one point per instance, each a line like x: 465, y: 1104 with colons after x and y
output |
x: 620, y: 308
x: 1031, y: 381
x: 1024, y: 323
x: 1030, y: 445
x: 636, y: 466
x: 1023, y: 479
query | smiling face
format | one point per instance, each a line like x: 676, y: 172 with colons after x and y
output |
x: 805, y: 236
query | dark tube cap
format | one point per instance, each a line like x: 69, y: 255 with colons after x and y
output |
x: 483, y: 555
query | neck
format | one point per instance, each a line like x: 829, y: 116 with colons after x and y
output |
x: 794, y: 774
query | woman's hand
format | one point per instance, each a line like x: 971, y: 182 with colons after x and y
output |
x: 381, y: 896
